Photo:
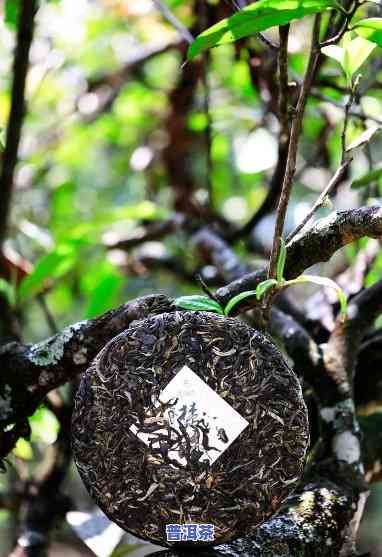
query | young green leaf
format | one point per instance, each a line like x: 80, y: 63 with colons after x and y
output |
x: 199, y: 303
x: 23, y: 450
x: 366, y: 179
x: 322, y: 281
x: 254, y: 18
x: 370, y: 29
x: 281, y: 261
x: 357, y: 52
x: 334, y: 51
x: 351, y: 55
x: 264, y: 286
x: 237, y: 299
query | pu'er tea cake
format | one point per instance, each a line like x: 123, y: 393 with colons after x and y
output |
x: 189, y: 428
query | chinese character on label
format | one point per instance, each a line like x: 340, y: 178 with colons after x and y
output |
x: 174, y: 532
x: 190, y: 532
x: 206, y: 532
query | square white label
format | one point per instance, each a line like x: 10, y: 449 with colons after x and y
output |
x: 190, y: 422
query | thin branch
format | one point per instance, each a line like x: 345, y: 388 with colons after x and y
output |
x: 362, y: 116
x: 293, y: 146
x: 17, y: 111
x: 346, y: 121
x: 174, y: 21
x: 283, y: 82
x: 278, y: 174
x: 29, y: 372
x: 344, y: 26
x: 208, y: 129
x: 335, y: 180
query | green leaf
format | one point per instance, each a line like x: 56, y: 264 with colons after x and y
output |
x: 322, y: 281
x: 11, y: 13
x: 264, y: 286
x: 51, y: 266
x: 370, y: 29
x: 364, y: 138
x: 281, y: 261
x: 198, y: 303
x: 44, y: 426
x: 334, y: 51
x: 254, y: 18
x: 101, y: 285
x: 367, y: 178
x: 237, y: 299
x: 357, y: 52
x: 351, y: 55
x: 23, y: 450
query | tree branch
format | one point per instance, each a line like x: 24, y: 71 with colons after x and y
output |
x: 315, y: 245
x: 17, y: 112
x: 29, y: 372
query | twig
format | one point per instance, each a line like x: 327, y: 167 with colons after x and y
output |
x: 205, y: 288
x: 335, y: 180
x: 47, y: 314
x: 346, y: 124
x: 171, y: 18
x: 344, y: 27
x: 267, y: 41
x: 283, y: 82
x: 17, y: 111
x: 293, y: 146
x: 339, y: 174
x: 355, y: 113
x: 276, y: 180
x: 208, y: 130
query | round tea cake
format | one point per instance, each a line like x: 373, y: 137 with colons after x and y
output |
x: 189, y: 428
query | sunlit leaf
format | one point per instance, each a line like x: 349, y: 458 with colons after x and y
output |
x: 23, y: 450
x: 198, y: 303
x: 256, y: 17
x: 322, y: 281
x: 334, y: 51
x: 351, y: 55
x: 357, y: 52
x: 370, y: 29
x: 44, y: 426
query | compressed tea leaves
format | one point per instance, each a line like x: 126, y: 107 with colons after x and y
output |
x: 189, y: 427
